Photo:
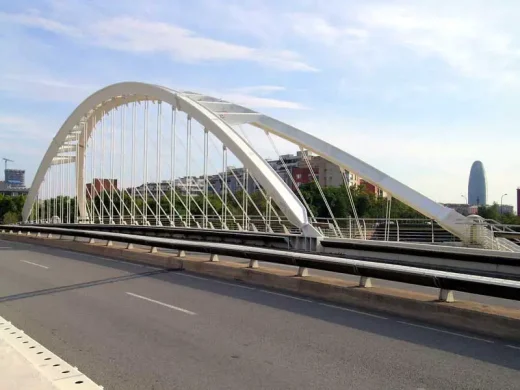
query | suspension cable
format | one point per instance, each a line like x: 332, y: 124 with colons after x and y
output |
x: 257, y: 184
x: 122, y: 165
x: 158, y: 184
x: 388, y: 214
x: 173, y: 157
x: 289, y: 174
x: 320, y: 190
x: 346, y: 181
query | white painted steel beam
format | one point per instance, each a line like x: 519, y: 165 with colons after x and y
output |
x: 101, y: 102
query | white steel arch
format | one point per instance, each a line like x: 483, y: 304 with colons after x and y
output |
x: 218, y: 116
x: 85, y: 116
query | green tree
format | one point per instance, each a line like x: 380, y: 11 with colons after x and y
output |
x: 11, y: 217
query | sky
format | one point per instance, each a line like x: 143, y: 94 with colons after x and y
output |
x: 419, y: 89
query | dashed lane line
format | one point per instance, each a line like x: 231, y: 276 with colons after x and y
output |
x: 37, y: 265
x: 163, y: 304
x: 285, y: 295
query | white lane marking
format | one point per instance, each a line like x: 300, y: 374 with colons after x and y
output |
x: 354, y: 311
x: 512, y: 346
x: 285, y: 295
x: 5, y: 247
x: 233, y: 284
x: 38, y: 265
x: 447, y: 332
x: 163, y: 304
x: 214, y: 281
x: 190, y: 276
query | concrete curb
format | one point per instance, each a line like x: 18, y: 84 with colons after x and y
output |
x: 470, y: 316
x: 32, y: 366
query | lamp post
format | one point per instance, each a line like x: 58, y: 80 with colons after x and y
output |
x: 501, y: 199
x: 465, y: 197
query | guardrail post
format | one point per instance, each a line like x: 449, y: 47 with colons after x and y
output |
x: 213, y: 257
x: 181, y: 253
x: 253, y: 263
x: 303, y: 271
x: 446, y: 295
x: 153, y: 249
x: 365, y: 281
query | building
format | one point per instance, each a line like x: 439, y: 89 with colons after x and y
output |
x: 14, y: 177
x: 477, y: 186
x: 327, y: 174
x: 462, y: 208
x: 293, y: 169
x: 9, y: 190
x: 506, y: 209
x: 99, y: 185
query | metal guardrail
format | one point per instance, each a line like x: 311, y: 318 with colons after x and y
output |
x: 443, y: 258
x: 374, y: 229
x: 262, y: 239
x: 445, y: 281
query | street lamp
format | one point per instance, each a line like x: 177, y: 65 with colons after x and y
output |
x: 464, y: 196
x: 501, y: 208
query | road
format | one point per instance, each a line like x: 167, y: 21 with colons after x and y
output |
x: 129, y: 326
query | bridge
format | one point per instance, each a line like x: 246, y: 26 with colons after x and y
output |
x: 135, y: 153
x: 167, y: 242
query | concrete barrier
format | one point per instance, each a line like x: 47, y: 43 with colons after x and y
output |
x: 470, y: 316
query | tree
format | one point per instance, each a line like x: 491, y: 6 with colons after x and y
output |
x: 11, y: 217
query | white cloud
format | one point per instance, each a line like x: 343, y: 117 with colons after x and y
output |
x: 476, y: 39
x: 316, y: 29
x: 260, y: 89
x: 468, y: 43
x: 36, y: 21
x: 41, y: 87
x: 131, y: 34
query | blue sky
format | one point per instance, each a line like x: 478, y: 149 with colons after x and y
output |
x: 419, y: 89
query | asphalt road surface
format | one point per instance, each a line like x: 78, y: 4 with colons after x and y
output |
x: 129, y: 326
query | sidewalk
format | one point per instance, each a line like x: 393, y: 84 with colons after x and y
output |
x: 16, y: 372
x: 26, y: 364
